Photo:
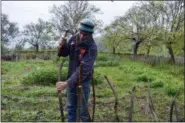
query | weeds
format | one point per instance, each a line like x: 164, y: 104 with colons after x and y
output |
x: 30, y: 95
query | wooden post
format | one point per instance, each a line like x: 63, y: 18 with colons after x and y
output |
x: 116, y: 98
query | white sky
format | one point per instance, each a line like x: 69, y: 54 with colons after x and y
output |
x: 24, y: 12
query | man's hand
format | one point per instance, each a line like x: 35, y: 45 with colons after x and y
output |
x: 61, y: 85
x: 62, y: 42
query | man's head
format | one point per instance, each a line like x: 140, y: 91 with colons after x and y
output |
x: 86, y: 28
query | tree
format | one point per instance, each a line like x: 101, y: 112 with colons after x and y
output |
x: 9, y: 30
x: 137, y: 20
x: 69, y: 15
x: 172, y: 24
x: 38, y: 34
x: 152, y: 23
x: 114, y: 35
x: 152, y: 30
x: 20, y: 45
x: 110, y: 38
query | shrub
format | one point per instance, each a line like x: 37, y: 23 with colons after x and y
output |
x: 45, y: 56
x: 104, y: 60
x: 171, y: 90
x: 5, y: 67
x: 144, y: 78
x: 49, y: 76
x: 106, y: 57
x: 8, y: 57
x: 98, y: 78
x: 120, y: 67
x: 4, y: 70
x: 57, y: 60
x: 46, y: 76
x: 109, y: 63
x: 30, y: 56
x: 156, y: 84
x: 102, y: 57
x: 106, y: 63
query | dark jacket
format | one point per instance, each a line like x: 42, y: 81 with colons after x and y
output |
x: 72, y: 48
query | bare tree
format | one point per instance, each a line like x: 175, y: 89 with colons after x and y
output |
x: 69, y: 15
x: 9, y: 30
x: 38, y: 34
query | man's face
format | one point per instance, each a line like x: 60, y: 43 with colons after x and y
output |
x: 84, y: 35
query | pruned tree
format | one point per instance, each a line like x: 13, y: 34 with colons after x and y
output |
x: 136, y: 20
x: 169, y: 19
x: 114, y: 35
x: 20, y: 45
x: 172, y: 20
x: 154, y: 23
x: 69, y: 15
x: 38, y: 34
x: 9, y: 30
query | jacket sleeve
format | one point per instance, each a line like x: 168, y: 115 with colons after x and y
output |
x: 88, y: 66
x: 65, y: 49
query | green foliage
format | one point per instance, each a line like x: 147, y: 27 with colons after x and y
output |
x: 107, y: 63
x: 63, y: 60
x: 55, y: 59
x: 45, y: 76
x: 4, y: 70
x: 30, y: 56
x: 102, y: 57
x: 104, y: 60
x: 39, y: 52
x: 38, y: 34
x: 4, y: 49
x: 9, y: 30
x: 38, y: 103
x: 45, y: 56
x: 98, y: 78
x: 171, y: 90
x: 5, y: 67
x: 144, y: 78
x: 157, y: 84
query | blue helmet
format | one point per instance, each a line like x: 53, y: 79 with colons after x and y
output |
x: 86, y: 25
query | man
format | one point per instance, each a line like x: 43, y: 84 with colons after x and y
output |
x: 81, y: 47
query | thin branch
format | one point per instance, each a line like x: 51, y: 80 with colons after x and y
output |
x: 176, y: 112
x: 60, y: 94
x: 172, y: 105
x: 79, y: 91
x: 85, y: 105
x: 151, y: 106
x: 94, y: 99
x: 131, y: 103
x: 116, y: 97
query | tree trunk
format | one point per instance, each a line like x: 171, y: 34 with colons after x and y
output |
x: 114, y: 50
x: 37, y: 47
x: 148, y: 51
x: 170, y: 50
x: 136, y: 46
x: 183, y: 49
x: 135, y: 49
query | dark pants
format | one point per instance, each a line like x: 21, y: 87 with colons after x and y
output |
x: 72, y: 102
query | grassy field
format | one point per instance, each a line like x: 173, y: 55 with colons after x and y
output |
x: 39, y: 102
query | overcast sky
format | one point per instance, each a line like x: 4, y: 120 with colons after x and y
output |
x: 24, y: 12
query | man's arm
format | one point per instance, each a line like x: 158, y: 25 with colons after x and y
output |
x: 64, y: 47
x: 88, y: 65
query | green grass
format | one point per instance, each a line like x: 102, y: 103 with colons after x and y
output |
x: 25, y: 102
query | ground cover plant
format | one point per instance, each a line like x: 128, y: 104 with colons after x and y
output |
x: 28, y: 90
